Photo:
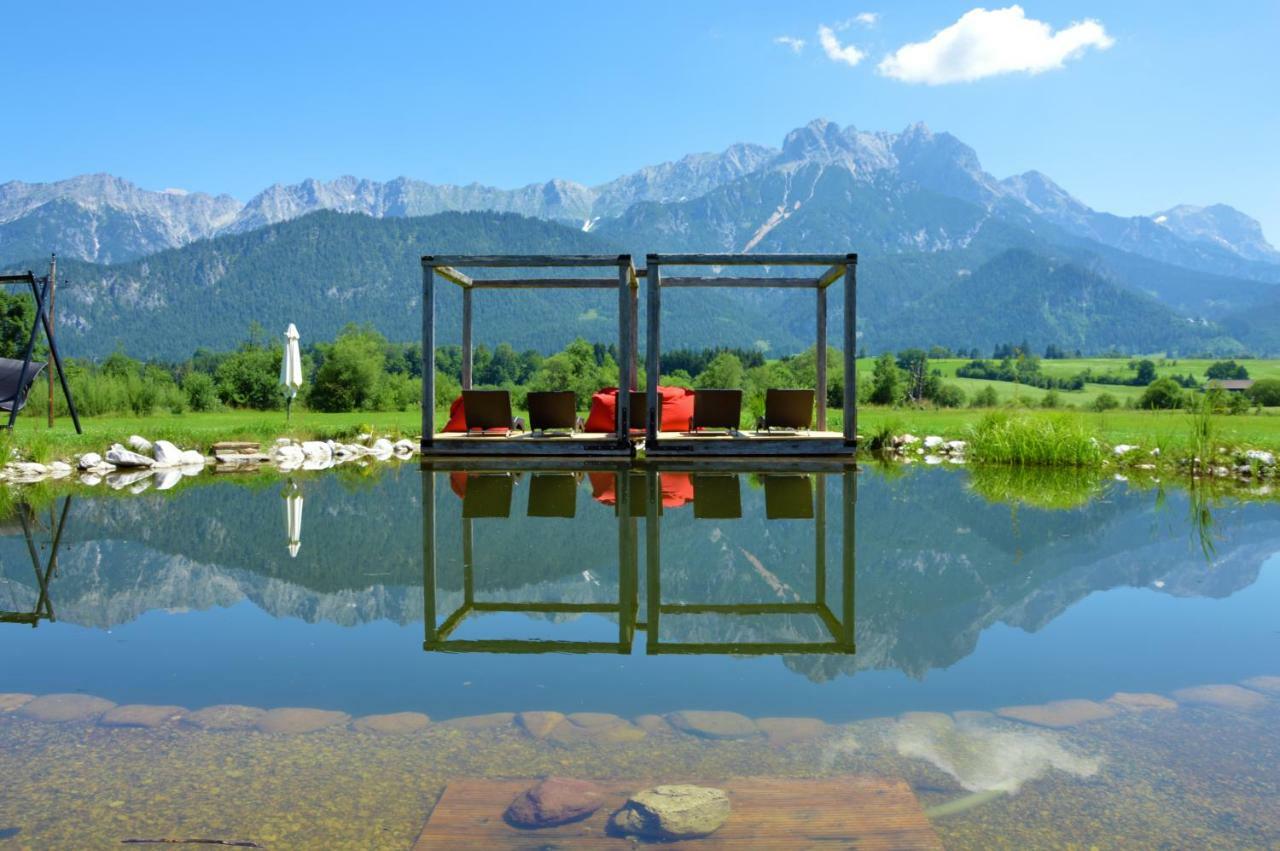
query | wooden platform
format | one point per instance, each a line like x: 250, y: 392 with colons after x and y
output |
x: 768, y: 813
x: 749, y: 444
x: 524, y: 444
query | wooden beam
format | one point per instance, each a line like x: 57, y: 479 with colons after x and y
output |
x: 747, y: 259
x: 653, y: 416
x: 830, y: 276
x: 623, y: 406
x: 428, y: 354
x: 454, y: 275
x: 467, y: 359
x: 850, y: 340
x: 784, y: 283
x: 820, y: 359
x: 518, y: 261
x: 545, y: 283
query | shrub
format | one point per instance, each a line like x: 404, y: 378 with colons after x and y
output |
x: 985, y: 398
x: 351, y: 373
x: 948, y: 396
x: 200, y: 392
x: 887, y: 384
x: 724, y: 372
x: 1161, y: 394
x: 1105, y: 402
x: 1225, y: 370
x: 1062, y: 440
x: 249, y: 378
x: 1265, y: 392
x: 1051, y: 400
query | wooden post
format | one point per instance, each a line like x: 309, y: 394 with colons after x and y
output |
x: 466, y: 338
x: 428, y: 352
x: 53, y: 289
x: 624, y: 346
x: 653, y: 336
x: 633, y: 370
x: 850, y: 350
x: 821, y: 360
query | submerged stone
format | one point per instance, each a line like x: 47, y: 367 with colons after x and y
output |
x: 1058, y: 713
x: 480, y: 722
x: 714, y: 725
x: 1271, y: 685
x: 555, y: 800
x: 228, y: 716
x: 785, y: 731
x: 1223, y: 697
x: 14, y: 701
x: 393, y: 724
x: 141, y: 715
x: 66, y: 707
x: 539, y: 724
x: 1141, y: 702
x: 595, y: 727
x: 293, y: 721
x: 673, y: 812
x: 652, y: 723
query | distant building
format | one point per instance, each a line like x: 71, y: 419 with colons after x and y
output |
x: 1233, y: 385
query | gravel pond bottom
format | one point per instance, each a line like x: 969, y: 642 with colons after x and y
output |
x: 1190, y: 776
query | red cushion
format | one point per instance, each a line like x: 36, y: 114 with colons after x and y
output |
x: 677, y: 409
x: 676, y: 488
x: 457, y: 417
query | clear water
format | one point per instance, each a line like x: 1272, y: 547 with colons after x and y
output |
x: 853, y: 598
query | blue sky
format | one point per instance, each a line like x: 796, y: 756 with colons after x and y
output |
x: 231, y: 97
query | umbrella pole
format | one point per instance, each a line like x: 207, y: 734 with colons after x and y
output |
x: 288, y: 408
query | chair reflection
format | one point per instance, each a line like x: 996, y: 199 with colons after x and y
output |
x: 26, y: 521
x: 715, y: 496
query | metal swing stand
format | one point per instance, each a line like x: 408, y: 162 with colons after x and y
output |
x: 40, y: 291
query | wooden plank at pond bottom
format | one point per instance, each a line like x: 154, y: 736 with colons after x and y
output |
x: 768, y: 813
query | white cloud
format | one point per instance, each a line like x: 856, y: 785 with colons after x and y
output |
x: 984, y: 43
x: 867, y: 19
x: 836, y: 52
x: 796, y: 44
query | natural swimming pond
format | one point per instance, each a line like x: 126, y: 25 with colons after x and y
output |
x: 905, y: 614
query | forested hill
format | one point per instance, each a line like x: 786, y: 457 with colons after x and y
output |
x: 327, y: 269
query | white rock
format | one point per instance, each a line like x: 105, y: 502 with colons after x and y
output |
x: 381, y: 449
x: 139, y: 443
x: 60, y: 469
x: 290, y: 454
x: 90, y: 479
x: 283, y: 441
x: 1123, y: 449
x: 933, y: 442
x: 316, y: 451
x: 122, y: 457
x: 26, y: 469
x: 191, y: 469
x: 166, y: 454
x: 89, y: 460
x: 1266, y: 459
x: 103, y: 468
x: 190, y: 458
x: 933, y: 459
x: 956, y: 446
x: 405, y: 447
x: 908, y: 438
x: 167, y: 478
x: 1155, y: 453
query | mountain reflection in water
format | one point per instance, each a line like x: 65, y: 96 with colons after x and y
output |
x: 954, y: 583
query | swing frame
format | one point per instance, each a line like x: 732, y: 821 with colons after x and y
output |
x: 40, y: 292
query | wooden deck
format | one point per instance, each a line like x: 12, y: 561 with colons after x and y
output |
x: 526, y: 444
x: 749, y: 444
x: 866, y: 813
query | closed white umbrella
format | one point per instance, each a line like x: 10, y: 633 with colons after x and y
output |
x: 293, y: 519
x: 291, y: 367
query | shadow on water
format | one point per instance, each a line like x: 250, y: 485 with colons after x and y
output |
x: 45, y: 567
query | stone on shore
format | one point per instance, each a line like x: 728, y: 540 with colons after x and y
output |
x: 66, y: 707
x: 539, y: 724
x: 1222, y: 697
x: 714, y: 724
x: 190, y: 458
x: 673, y: 812
x: 166, y: 454
x: 141, y: 715
x: 480, y: 722
x: 138, y: 443
x: 786, y: 731
x: 122, y: 457
x: 1141, y: 702
x: 89, y: 460
x: 395, y: 723
x: 293, y: 721
x: 553, y: 801
x: 227, y: 716
x: 14, y: 701
x: 1058, y: 713
x: 1270, y: 685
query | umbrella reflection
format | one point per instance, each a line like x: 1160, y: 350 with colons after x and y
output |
x: 293, y: 517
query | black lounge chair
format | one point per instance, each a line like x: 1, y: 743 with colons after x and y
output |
x: 555, y: 410
x: 639, y: 409
x: 717, y: 409
x: 553, y: 494
x: 787, y: 409
x: 488, y: 495
x: 717, y: 496
x: 488, y: 412
x: 15, y: 384
x: 788, y: 497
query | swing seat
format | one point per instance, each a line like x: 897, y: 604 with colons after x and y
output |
x: 15, y: 384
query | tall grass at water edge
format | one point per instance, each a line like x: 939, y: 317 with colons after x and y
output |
x: 1004, y: 437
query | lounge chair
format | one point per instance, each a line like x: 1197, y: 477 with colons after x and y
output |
x: 639, y: 409
x: 552, y: 494
x: 788, y: 497
x: 488, y: 495
x: 15, y: 384
x: 787, y: 409
x: 717, y: 496
x: 717, y: 409
x: 553, y: 411
x: 489, y: 412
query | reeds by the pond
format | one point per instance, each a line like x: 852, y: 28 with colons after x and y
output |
x: 1005, y: 437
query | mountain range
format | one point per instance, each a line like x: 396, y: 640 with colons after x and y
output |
x: 948, y: 252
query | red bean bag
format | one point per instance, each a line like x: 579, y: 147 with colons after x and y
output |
x: 676, y: 488
x: 677, y: 409
x: 457, y: 417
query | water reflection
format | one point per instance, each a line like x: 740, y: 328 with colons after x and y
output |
x: 652, y: 496
x: 24, y: 517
